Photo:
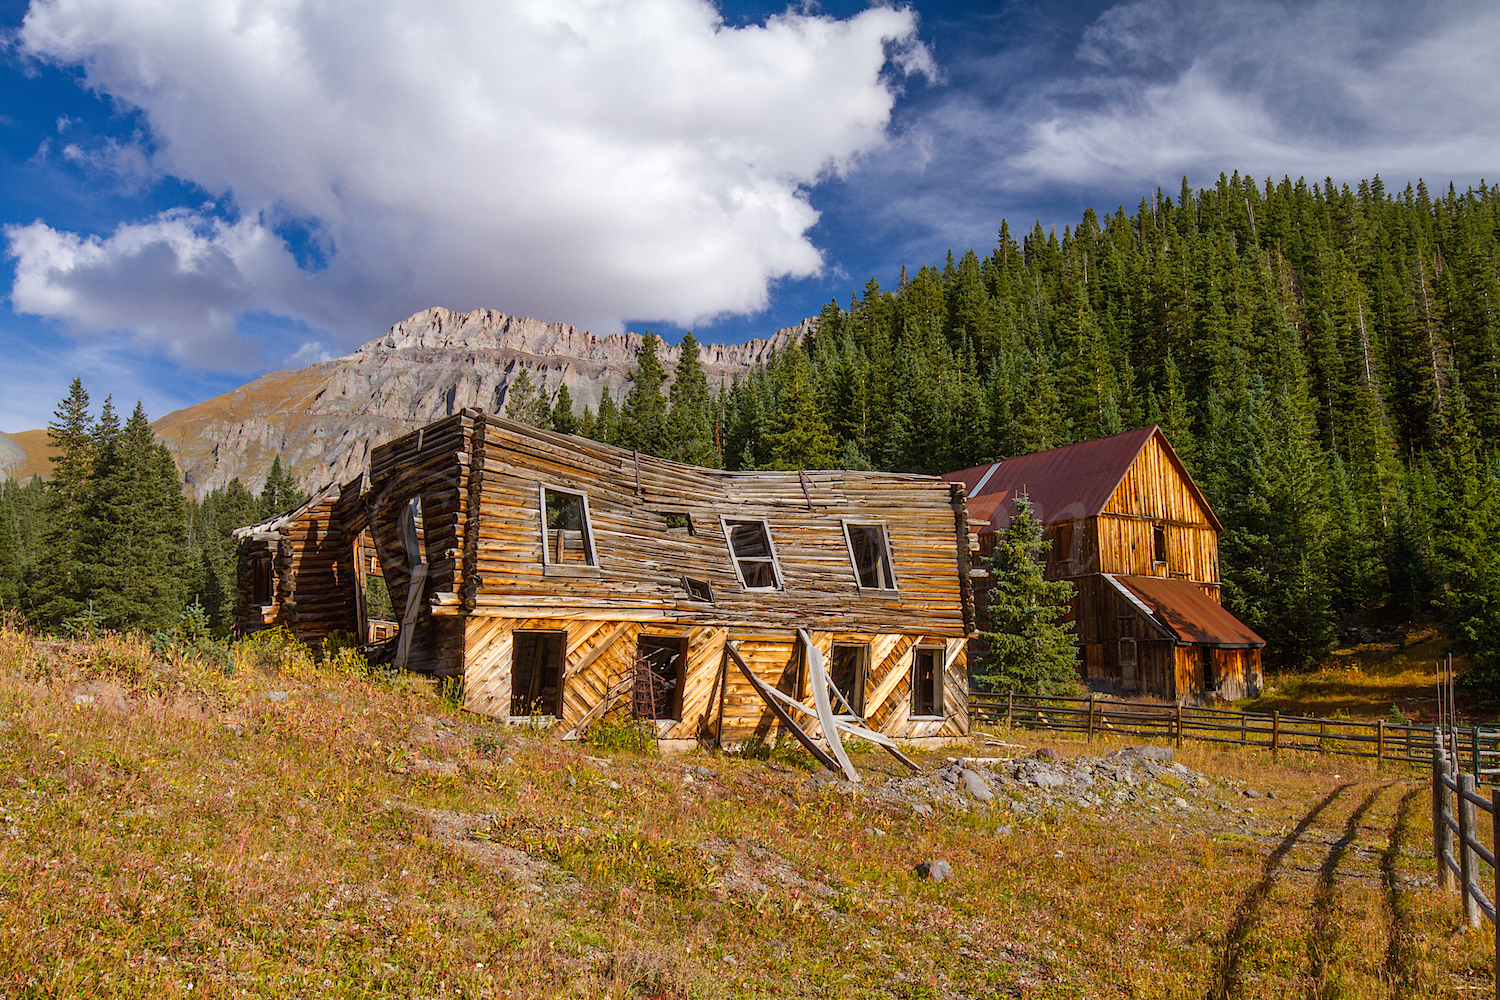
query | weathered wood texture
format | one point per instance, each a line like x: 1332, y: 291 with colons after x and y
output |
x: 313, y: 573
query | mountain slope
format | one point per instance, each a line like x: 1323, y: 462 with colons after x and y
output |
x: 324, y: 420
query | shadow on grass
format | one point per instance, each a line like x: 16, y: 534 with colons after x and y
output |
x: 1325, y: 930
x: 1398, y: 966
x: 1247, y: 913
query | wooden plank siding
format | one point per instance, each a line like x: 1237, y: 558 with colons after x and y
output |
x: 478, y: 477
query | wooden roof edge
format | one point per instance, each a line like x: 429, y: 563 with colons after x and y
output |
x: 1144, y: 609
x: 280, y: 521
x: 1213, y: 519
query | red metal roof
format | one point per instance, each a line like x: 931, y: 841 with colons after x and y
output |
x: 1183, y: 607
x: 1073, y: 481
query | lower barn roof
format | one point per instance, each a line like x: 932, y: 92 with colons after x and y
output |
x: 1192, y: 615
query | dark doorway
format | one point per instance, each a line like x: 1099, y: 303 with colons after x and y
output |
x: 850, y: 668
x: 659, y: 670
x: 536, y: 672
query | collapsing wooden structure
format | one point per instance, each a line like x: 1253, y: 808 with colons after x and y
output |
x: 1138, y: 540
x: 562, y: 578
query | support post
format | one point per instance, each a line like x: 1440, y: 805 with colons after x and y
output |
x: 1441, y: 835
x: 1495, y: 898
x: 1179, y: 724
x: 1379, y: 743
x: 1275, y: 730
x: 1010, y: 710
x: 1468, y: 861
x: 1091, y: 716
x: 1242, y: 727
x: 1477, y: 770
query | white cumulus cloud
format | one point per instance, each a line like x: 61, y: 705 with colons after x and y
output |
x: 583, y: 160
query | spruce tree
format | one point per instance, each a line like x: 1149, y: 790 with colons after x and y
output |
x: 643, y: 415
x: 562, y: 418
x: 690, y: 429
x: 1028, y: 648
x: 60, y: 590
x: 12, y: 561
x: 525, y: 402
x: 800, y: 438
x: 280, y: 494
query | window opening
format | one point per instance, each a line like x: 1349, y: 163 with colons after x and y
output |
x: 754, y: 558
x: 567, y: 540
x: 536, y: 672
x: 927, y: 682
x: 697, y: 590
x: 1210, y: 675
x: 1064, y: 551
x: 260, y: 579
x: 679, y: 521
x: 659, y: 666
x: 871, y: 553
x: 1159, y: 542
x: 850, y: 671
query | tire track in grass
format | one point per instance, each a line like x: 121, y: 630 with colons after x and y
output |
x: 1325, y: 932
x: 1397, y: 970
x: 1247, y: 913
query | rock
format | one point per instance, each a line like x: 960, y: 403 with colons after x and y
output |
x: 976, y: 786
x: 1250, y: 793
x: 1162, y: 755
x: 1046, y: 753
x: 921, y: 809
x: 874, y: 831
x: 934, y: 871
x: 6, y: 726
x: 83, y: 699
x: 1270, y: 794
x: 614, y: 786
x: 1180, y: 803
x: 275, y: 696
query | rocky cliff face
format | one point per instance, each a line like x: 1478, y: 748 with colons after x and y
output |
x: 12, y: 455
x: 325, y: 419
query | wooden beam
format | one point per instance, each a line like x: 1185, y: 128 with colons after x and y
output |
x: 599, y: 650
x: 763, y: 689
x: 611, y: 696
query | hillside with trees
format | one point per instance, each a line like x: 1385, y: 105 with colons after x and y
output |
x: 1325, y: 359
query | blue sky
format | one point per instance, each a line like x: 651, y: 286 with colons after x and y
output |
x: 197, y: 193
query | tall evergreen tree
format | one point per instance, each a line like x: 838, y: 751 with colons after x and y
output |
x: 1027, y: 646
x: 563, y: 420
x: 690, y: 428
x: 60, y: 591
x: 643, y: 415
x: 280, y: 494
x: 525, y: 402
x: 12, y: 560
x: 800, y: 438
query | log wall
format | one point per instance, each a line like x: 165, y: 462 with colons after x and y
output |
x: 314, y: 576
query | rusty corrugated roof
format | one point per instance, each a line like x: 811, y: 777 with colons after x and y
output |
x: 1183, y: 607
x: 1073, y: 481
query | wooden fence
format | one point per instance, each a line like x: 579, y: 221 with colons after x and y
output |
x: 1455, y: 808
x: 1478, y: 748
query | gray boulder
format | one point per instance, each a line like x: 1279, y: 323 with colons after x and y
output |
x: 934, y: 871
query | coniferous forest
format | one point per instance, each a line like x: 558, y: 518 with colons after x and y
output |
x: 1325, y: 359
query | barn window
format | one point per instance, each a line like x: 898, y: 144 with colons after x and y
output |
x: 1064, y: 546
x: 851, y: 667
x: 1159, y: 542
x: 677, y: 520
x: 659, y: 666
x: 261, y: 591
x: 870, y: 551
x: 567, y: 538
x: 927, y: 682
x: 754, y: 557
x: 536, y: 672
x: 698, y: 590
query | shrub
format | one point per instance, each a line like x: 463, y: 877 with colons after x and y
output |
x: 617, y: 732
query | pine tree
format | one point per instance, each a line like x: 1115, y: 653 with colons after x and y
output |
x: 280, y: 494
x: 607, y: 421
x: 643, y: 415
x: 59, y: 592
x: 800, y: 438
x: 690, y: 429
x: 12, y: 562
x: 524, y: 401
x: 1028, y: 648
x: 562, y: 417
x: 136, y: 531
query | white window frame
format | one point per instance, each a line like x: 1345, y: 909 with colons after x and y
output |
x: 592, y: 566
x: 724, y: 523
x: 890, y: 560
x: 942, y: 682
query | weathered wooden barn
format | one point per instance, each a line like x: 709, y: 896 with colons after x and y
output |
x: 1134, y: 534
x: 563, y: 578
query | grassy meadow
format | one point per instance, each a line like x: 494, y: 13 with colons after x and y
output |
x: 265, y: 826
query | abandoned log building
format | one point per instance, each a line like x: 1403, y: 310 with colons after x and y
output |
x: 1134, y: 534
x: 563, y: 578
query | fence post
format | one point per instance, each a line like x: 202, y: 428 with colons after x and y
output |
x: 1179, y: 724
x: 1440, y: 833
x: 1467, y: 860
x: 1242, y: 727
x: 1010, y: 710
x: 1495, y: 899
x: 1275, y: 729
x: 1091, y: 716
x: 1476, y: 753
x: 1379, y: 742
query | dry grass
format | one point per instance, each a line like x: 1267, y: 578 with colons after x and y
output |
x: 1365, y: 682
x: 182, y: 834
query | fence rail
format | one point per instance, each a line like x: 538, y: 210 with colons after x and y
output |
x: 1456, y: 805
x: 1476, y: 747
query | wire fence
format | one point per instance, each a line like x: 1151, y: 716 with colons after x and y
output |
x: 1477, y: 747
x: 1456, y: 807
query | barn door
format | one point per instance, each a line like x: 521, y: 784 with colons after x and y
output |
x: 1130, y: 678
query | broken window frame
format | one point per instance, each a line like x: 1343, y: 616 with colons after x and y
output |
x: 940, y: 664
x: 1159, y: 543
x: 885, y: 549
x: 855, y: 696
x: 679, y: 659
x: 556, y: 650
x: 697, y: 590
x: 591, y: 551
x: 262, y: 579
x: 735, y: 558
